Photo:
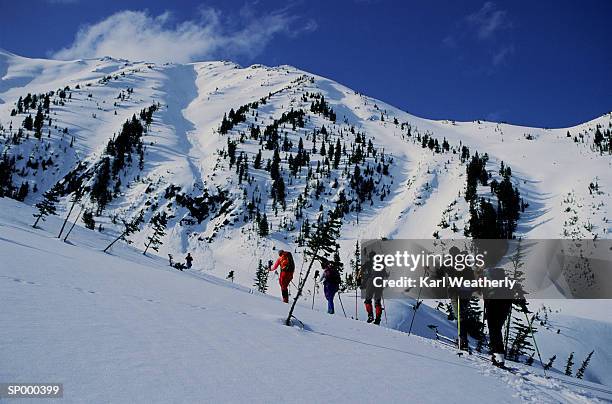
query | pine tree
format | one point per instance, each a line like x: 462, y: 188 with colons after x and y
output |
x: 321, y: 244
x: 264, y: 229
x: 28, y: 122
x: 100, y: 189
x: 550, y: 362
x: 257, y: 161
x: 473, y: 319
x: 337, y: 154
x: 39, y: 120
x: 569, y: 364
x: 159, y: 223
x: 46, y: 207
x: 355, y: 263
x: 88, y: 220
x: 520, y: 335
x: 580, y: 373
x: 261, y: 278
x: 129, y: 227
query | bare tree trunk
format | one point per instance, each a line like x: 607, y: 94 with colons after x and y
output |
x: 37, y: 219
x: 66, y: 219
x: 114, y: 241
x: 73, y: 224
x: 146, y: 248
x: 299, y: 292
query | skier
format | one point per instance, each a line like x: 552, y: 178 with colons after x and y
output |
x: 496, y: 313
x: 331, y: 283
x: 365, y: 278
x: 285, y: 261
x: 497, y: 301
x: 460, y: 298
x: 188, y: 260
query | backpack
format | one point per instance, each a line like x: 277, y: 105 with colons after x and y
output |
x: 332, y: 275
x: 290, y: 264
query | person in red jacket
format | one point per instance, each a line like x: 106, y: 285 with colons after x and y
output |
x: 285, y: 261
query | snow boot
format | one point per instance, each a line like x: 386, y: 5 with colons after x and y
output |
x: 285, y: 296
x: 498, y: 360
x: 379, y: 310
x: 368, y: 307
x: 330, y: 307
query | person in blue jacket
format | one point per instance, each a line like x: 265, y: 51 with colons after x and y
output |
x: 331, y: 283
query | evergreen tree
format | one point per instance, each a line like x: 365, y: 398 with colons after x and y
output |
x: 582, y: 369
x: 28, y: 122
x: 129, y: 227
x: 159, y: 223
x: 264, y: 229
x: 39, y: 120
x: 321, y: 244
x: 46, y: 207
x: 337, y: 154
x: 257, y: 161
x: 261, y: 278
x: 88, y: 220
x: 7, y: 166
x: 550, y: 362
x: 278, y: 190
x: 569, y: 364
x: 355, y: 263
x: 519, y: 335
x: 100, y: 189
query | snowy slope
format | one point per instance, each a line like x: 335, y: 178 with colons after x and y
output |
x: 186, y: 173
x: 142, y: 332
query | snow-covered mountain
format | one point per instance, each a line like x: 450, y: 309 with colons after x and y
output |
x: 242, y: 161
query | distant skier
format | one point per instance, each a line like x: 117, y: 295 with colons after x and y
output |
x: 331, y: 283
x: 365, y: 279
x: 189, y: 260
x: 230, y: 275
x: 285, y: 261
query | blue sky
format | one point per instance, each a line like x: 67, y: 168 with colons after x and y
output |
x: 540, y: 63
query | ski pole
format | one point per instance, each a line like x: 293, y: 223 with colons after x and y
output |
x: 341, y: 305
x: 534, y: 342
x: 356, y: 316
x: 507, y: 334
x: 384, y: 309
x: 458, y: 323
x: 314, y: 292
x: 416, y: 306
x: 314, y: 287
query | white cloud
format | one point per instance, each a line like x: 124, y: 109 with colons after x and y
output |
x: 138, y: 35
x: 502, y: 54
x: 488, y: 20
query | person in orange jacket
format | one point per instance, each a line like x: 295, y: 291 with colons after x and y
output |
x: 285, y: 261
